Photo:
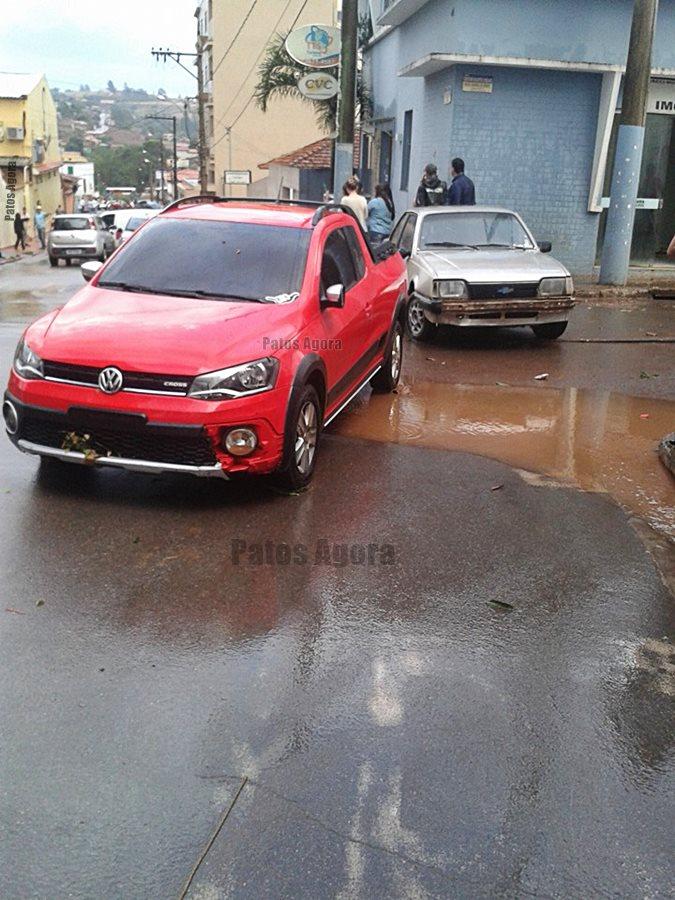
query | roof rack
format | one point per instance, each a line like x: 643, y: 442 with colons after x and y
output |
x: 214, y: 198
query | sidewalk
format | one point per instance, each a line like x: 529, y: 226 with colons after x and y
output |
x: 644, y: 283
x: 9, y: 254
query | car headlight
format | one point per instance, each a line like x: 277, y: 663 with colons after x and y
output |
x: 26, y: 363
x: 556, y: 287
x: 237, y: 381
x: 455, y: 289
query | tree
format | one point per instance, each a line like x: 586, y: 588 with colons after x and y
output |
x: 278, y: 76
x: 112, y: 88
x: 75, y: 143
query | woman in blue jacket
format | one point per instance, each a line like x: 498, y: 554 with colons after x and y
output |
x: 380, y: 215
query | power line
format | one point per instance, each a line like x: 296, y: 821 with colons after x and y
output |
x: 234, y: 39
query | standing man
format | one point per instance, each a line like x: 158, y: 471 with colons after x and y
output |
x: 432, y: 191
x: 39, y: 222
x: 462, y: 192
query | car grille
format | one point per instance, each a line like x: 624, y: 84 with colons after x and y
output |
x: 133, y: 381
x: 502, y: 290
x: 120, y: 435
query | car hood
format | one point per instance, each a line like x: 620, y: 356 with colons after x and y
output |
x: 490, y: 265
x: 154, y: 333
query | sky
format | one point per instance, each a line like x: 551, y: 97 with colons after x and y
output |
x: 76, y: 42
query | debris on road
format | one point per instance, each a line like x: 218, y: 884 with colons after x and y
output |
x: 19, y: 612
x: 542, y: 377
x: 644, y: 415
x: 667, y: 452
x: 500, y: 604
x: 644, y: 374
x: 40, y: 602
x: 497, y: 487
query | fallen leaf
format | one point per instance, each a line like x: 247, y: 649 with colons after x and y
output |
x: 497, y: 487
x: 650, y: 333
x: 502, y: 384
x: 644, y: 374
x: 135, y: 540
x: 500, y: 604
x: 101, y: 669
x: 542, y: 377
x: 644, y: 415
x: 19, y: 612
x: 431, y: 358
x: 442, y: 363
x: 39, y: 602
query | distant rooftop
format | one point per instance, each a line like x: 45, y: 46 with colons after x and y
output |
x: 14, y: 85
x: 317, y: 155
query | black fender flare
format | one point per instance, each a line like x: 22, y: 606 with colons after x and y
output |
x: 309, y: 364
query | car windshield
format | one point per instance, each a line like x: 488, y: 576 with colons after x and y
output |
x: 222, y: 260
x: 480, y: 230
x: 74, y: 224
x: 134, y: 223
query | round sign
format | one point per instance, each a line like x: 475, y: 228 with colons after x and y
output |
x: 315, y: 46
x: 318, y: 86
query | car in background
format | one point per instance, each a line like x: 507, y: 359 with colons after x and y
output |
x: 477, y: 266
x: 218, y: 341
x: 78, y: 236
x: 139, y: 217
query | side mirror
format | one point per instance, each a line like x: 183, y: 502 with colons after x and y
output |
x: 384, y: 250
x: 89, y: 269
x: 544, y: 246
x: 335, y: 296
x: 405, y: 253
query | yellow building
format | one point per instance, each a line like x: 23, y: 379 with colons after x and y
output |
x: 239, y: 135
x: 29, y: 150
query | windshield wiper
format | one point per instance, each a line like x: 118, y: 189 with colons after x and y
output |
x: 506, y: 246
x: 172, y: 292
x: 449, y: 244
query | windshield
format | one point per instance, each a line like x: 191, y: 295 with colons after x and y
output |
x: 133, y: 224
x: 73, y: 224
x: 473, y: 229
x: 192, y: 257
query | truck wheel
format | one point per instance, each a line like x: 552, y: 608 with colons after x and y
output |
x: 384, y: 381
x: 550, y: 331
x: 302, y: 440
x: 419, y: 327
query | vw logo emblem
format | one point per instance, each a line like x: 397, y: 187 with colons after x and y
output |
x: 110, y: 380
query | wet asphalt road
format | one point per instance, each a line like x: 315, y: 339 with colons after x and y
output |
x: 188, y: 701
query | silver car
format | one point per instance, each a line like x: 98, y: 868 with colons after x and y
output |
x: 477, y: 266
x: 78, y: 236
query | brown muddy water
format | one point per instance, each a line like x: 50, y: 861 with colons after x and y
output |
x: 596, y: 440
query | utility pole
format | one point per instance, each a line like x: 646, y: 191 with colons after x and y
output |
x: 176, y: 55
x: 161, y: 171
x: 344, y: 147
x: 171, y: 119
x: 629, y: 144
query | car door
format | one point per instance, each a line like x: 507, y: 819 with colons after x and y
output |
x: 343, y: 331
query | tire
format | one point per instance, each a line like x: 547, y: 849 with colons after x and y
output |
x: 419, y: 327
x: 69, y: 262
x: 387, y: 378
x: 53, y: 261
x: 305, y: 416
x: 550, y: 331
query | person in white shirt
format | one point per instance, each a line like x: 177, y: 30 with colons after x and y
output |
x: 355, y: 201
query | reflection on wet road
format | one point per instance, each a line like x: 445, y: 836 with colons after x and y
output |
x: 597, y: 440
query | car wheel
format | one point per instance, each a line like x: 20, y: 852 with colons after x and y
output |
x: 550, y: 331
x: 387, y: 378
x: 53, y: 261
x: 304, y: 424
x: 69, y: 262
x: 419, y: 327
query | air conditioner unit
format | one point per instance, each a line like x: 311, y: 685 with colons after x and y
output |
x: 15, y: 134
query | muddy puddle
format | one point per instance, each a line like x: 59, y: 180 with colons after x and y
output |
x: 597, y: 440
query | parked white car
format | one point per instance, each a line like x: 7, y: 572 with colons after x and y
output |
x: 478, y: 266
x: 78, y: 236
x: 135, y: 221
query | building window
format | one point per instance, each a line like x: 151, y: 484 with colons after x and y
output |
x: 405, y: 155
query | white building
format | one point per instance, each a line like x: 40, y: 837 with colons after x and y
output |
x: 76, y: 165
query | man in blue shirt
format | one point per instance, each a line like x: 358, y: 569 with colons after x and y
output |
x: 39, y: 222
x: 461, y: 192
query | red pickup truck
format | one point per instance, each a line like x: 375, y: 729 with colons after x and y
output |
x: 220, y: 339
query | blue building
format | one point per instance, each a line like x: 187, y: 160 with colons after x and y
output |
x: 527, y: 93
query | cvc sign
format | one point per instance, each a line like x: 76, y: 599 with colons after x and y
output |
x: 318, y: 86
